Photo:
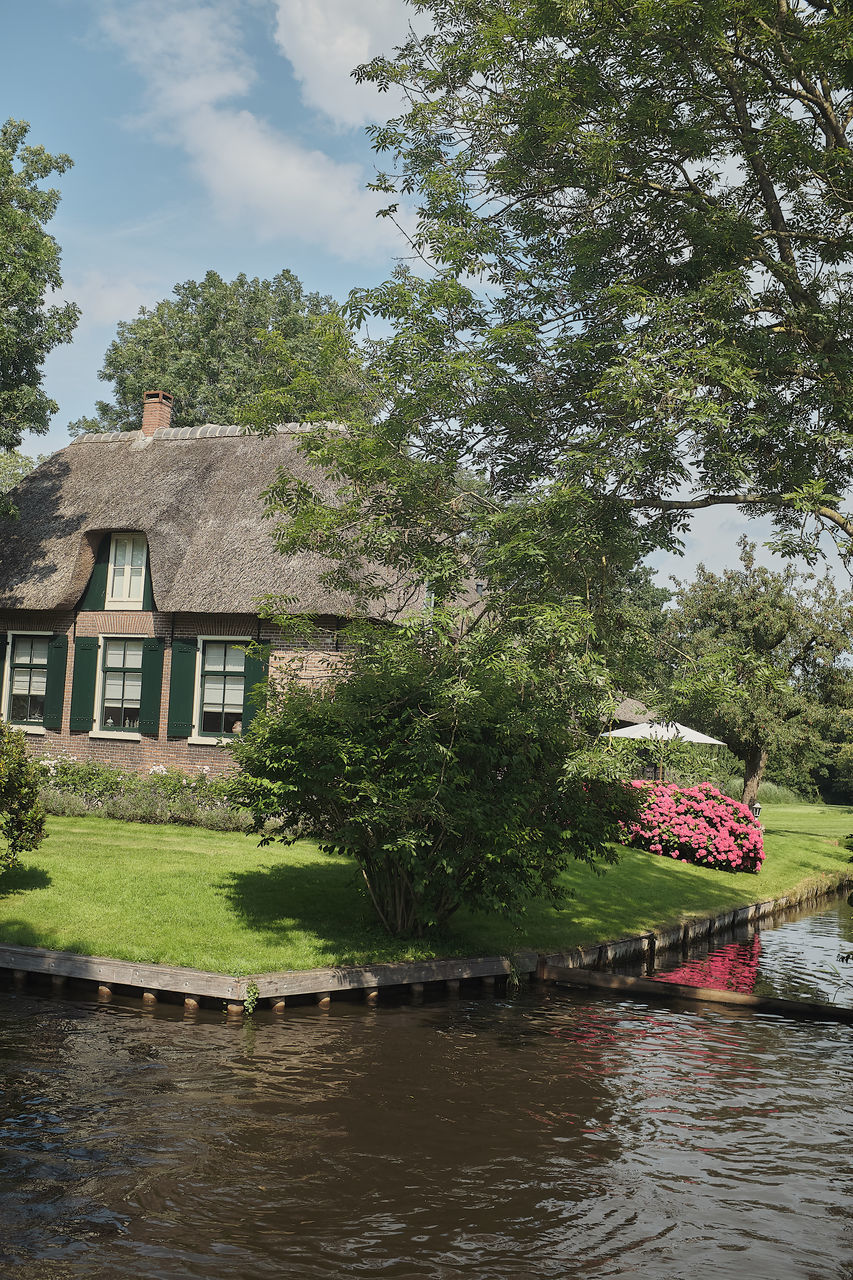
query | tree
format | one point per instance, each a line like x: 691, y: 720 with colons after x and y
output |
x: 636, y: 216
x: 760, y: 660
x: 21, y: 813
x: 244, y: 350
x: 29, y: 272
x: 454, y: 770
x: 14, y: 466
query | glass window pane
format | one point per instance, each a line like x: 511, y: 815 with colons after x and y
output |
x: 119, y: 552
x: 232, y: 721
x: 137, y: 554
x: 23, y: 649
x: 234, y: 694
x: 118, y: 584
x: 113, y: 686
x: 211, y: 722
x: 214, y: 656
x: 36, y: 708
x: 235, y: 658
x: 18, y: 706
x: 135, y: 584
x: 39, y: 650
x: 21, y: 680
x: 112, y: 716
x: 214, y: 689
x: 38, y: 682
x: 113, y: 653
x: 132, y: 688
x: 133, y: 653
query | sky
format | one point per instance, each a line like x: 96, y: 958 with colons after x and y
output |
x: 215, y: 134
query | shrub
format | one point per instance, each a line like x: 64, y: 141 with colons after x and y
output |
x: 696, y: 824
x: 72, y: 788
x: 452, y: 773
x: 21, y: 813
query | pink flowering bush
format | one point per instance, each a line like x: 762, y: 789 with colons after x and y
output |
x: 696, y: 824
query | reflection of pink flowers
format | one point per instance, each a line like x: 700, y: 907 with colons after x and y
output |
x: 732, y: 968
x: 696, y: 824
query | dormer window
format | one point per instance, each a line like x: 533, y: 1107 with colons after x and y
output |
x: 126, y: 573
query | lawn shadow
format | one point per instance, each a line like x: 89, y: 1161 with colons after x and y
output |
x: 19, y: 879
x: 322, y: 901
x: 20, y: 933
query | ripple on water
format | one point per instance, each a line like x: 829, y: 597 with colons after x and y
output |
x: 547, y: 1136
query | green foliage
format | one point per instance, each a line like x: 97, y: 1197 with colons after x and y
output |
x: 14, y: 467
x: 454, y: 770
x: 29, y: 271
x: 227, y: 352
x: 759, y: 659
x: 71, y: 788
x: 21, y: 814
x: 638, y: 217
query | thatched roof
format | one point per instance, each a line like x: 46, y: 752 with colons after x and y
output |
x: 632, y: 711
x: 194, y: 493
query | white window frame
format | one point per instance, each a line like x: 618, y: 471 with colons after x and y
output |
x: 110, y: 735
x: 38, y: 730
x: 113, y: 602
x: 197, y: 738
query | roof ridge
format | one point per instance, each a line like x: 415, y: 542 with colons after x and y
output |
x: 203, y: 432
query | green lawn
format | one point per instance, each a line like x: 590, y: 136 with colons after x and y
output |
x: 180, y: 895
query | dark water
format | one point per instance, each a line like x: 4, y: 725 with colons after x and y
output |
x: 547, y: 1135
x: 796, y: 959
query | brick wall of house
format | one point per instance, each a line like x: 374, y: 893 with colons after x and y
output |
x: 308, y: 659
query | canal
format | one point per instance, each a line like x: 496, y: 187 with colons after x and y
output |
x: 546, y: 1134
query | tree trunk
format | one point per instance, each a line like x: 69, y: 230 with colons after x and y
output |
x: 753, y: 771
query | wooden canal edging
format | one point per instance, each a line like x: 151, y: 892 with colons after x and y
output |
x: 153, y: 982
x: 647, y: 947
x: 647, y: 988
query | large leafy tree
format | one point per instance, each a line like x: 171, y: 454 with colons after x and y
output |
x: 30, y: 325
x: 249, y: 350
x: 760, y: 659
x: 636, y: 216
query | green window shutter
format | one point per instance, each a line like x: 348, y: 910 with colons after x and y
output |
x: 148, y: 590
x: 54, y: 697
x: 255, y: 673
x: 182, y: 688
x: 152, y: 687
x: 95, y: 596
x: 83, y: 684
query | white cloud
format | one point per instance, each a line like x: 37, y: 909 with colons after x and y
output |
x: 260, y: 177
x: 324, y: 40
x: 105, y: 299
x: 192, y: 60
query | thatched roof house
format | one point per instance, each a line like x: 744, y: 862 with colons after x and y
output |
x: 129, y: 589
x: 195, y: 493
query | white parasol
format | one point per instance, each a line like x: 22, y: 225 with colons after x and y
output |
x: 669, y: 731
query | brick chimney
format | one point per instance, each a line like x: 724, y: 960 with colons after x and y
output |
x: 156, y: 411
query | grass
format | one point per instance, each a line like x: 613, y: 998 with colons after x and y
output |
x: 211, y: 900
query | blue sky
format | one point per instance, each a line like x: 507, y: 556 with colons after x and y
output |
x: 205, y: 134
x: 213, y: 134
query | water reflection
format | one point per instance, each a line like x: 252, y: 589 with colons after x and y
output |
x: 794, y: 959
x: 732, y: 967
x: 546, y: 1136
